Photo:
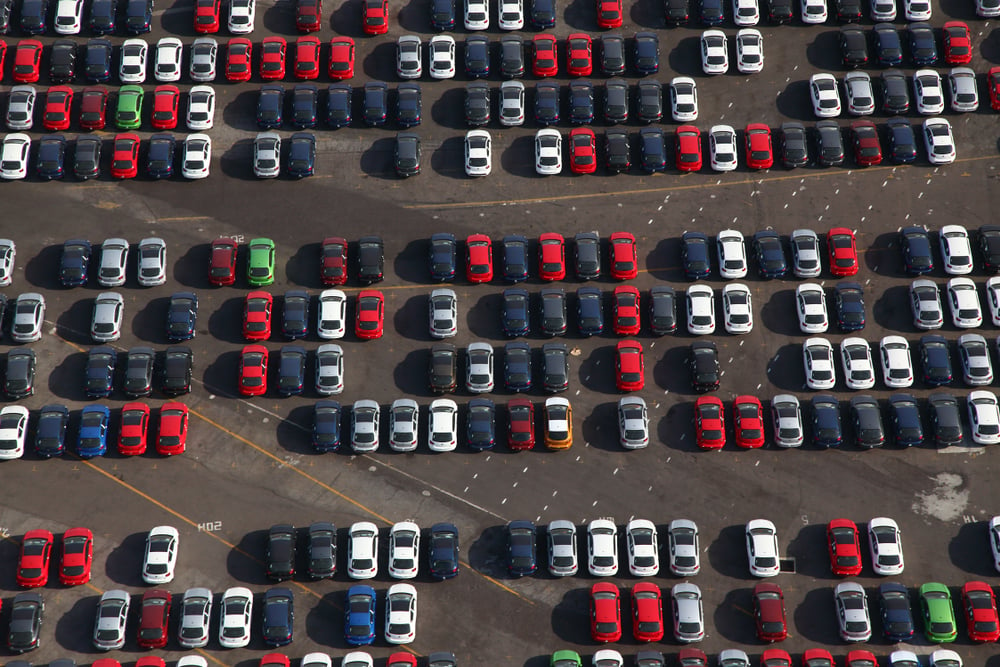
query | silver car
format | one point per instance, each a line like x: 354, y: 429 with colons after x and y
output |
x: 925, y: 302
x: 201, y: 67
x: 859, y: 94
x: 408, y: 62
x: 364, y: 426
x: 329, y: 369
x: 21, y: 107
x: 689, y: 616
x: 962, y: 86
x: 682, y: 542
x: 196, y: 614
x: 106, y: 324
x: 977, y: 369
x: 404, y: 421
x: 109, y: 625
x: 633, y: 423
x: 852, y: 612
x: 805, y: 254
x: 114, y: 257
x: 511, y: 103
x: 787, y: 421
x: 443, y: 313
x: 29, y: 313
x: 152, y: 262
x: 479, y: 370
x: 561, y: 538
x: 267, y: 155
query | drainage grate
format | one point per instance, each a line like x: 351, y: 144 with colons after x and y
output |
x: 787, y: 565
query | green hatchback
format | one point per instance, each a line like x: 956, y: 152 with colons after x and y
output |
x: 939, y: 615
x: 128, y: 114
x: 565, y: 658
x: 260, y: 267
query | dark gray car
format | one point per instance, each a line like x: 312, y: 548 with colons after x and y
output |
x: 616, y: 101
x: 409, y: 104
x: 663, y: 309
x: 407, y: 159
x: 869, y: 431
x: 829, y: 143
x: 20, y: 380
x: 895, y: 92
x: 25, y: 622
x: 477, y: 103
x: 613, y: 55
x: 794, y: 146
x: 588, y: 255
x: 555, y: 367
x: 511, y: 56
x: 649, y: 100
x: 177, y: 366
x: 139, y: 372
x: 322, y: 550
x: 553, y: 311
x: 87, y: 158
x: 946, y: 419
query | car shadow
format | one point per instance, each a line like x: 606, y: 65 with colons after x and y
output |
x: 410, y: 375
x: 989, y: 48
x: 643, y: 15
x: 684, y: 59
x: 124, y: 563
x: 570, y: 617
x: 221, y: 375
x: 234, y: 114
x: 823, y: 52
x: 414, y: 16
x: 68, y: 321
x: 483, y: 319
x: 969, y: 549
x: 793, y: 102
x: 448, y: 110
x: 225, y: 322
x: 411, y: 264
x: 410, y: 320
x: 785, y: 369
x: 65, y: 380
x: 378, y: 159
x: 448, y: 159
x: 320, y: 618
x: 487, y: 553
x: 671, y: 372
x: 883, y: 255
x: 149, y: 323
x: 892, y: 308
x: 190, y: 269
x: 810, y: 560
x: 778, y: 314
x: 38, y: 270
x: 730, y: 617
x: 245, y: 562
x: 294, y: 431
x: 581, y: 15
x: 279, y: 19
x: 179, y: 24
x: 728, y: 555
x: 813, y: 617
x: 663, y: 262
x: 67, y: 626
x: 237, y: 160
x: 519, y: 157
x: 600, y: 427
x: 346, y: 19
x: 598, y: 370
x: 380, y: 63
x: 675, y: 429
x: 302, y: 268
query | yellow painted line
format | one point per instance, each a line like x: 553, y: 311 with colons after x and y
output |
x: 741, y: 609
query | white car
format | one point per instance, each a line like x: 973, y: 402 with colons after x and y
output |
x: 69, y: 17
x: 956, y: 250
x: 746, y: 13
x: 477, y: 15
x: 479, y: 367
x: 548, y: 152
x: 331, y: 317
x: 633, y: 422
x: 400, y: 614
x: 13, y: 431
x: 111, y: 269
x: 939, y: 141
x: 14, y: 156
x: 737, y: 308
x: 362, y: 550
x: 810, y: 300
x: 925, y: 303
x: 602, y: 548
x: 241, y: 16
x: 700, y: 310
x: 404, y: 424
x: 168, y: 59
x: 897, y: 366
x: 478, y: 153
x: 329, y: 369
x: 732, y: 254
x: 441, y: 57
x: 963, y: 301
x: 962, y: 89
x: 852, y: 612
x: 442, y: 425
x: 643, y: 548
x: 992, y: 298
x: 722, y: 148
x: 994, y: 538
x: 714, y: 52
x: 235, y: 613
x: 132, y: 68
x: 201, y: 66
x: 364, y: 426
x: 683, y: 99
x: 21, y: 107
x: 29, y: 315
x: 886, y: 546
x: 824, y: 95
x: 786, y: 416
x: 196, y: 157
x: 817, y: 357
x: 859, y: 94
x: 607, y: 657
x: 689, y: 616
x: 443, y: 313
x: 682, y: 544
x: 917, y: 10
x: 510, y: 15
x: 945, y: 658
x: 357, y: 659
x: 856, y: 358
x: 928, y: 92
x: 201, y: 108
x: 805, y: 254
x: 161, y: 555
x: 814, y: 11
x: 267, y: 155
x: 110, y: 621
x: 883, y: 11
x: 409, y: 64
x: 749, y: 51
x: 561, y: 538
x: 152, y: 269
x: 8, y: 253
x: 762, y: 548
x: 316, y: 660
x: 404, y: 550
x: 511, y: 103
x: 196, y: 617
x: 984, y: 416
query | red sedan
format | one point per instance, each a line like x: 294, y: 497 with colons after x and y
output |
x: 341, y: 58
x: 760, y: 154
x: 520, y: 424
x: 605, y: 612
x: 36, y: 552
x: 582, y: 151
x: 369, y: 322
x: 401, y: 659
x: 817, y: 657
x: 843, y: 252
x: 3, y: 54
x: 631, y: 375
x: 222, y: 262
x: 239, y: 52
x: 58, y: 102
x: 172, y: 438
x: 125, y: 158
x: 709, y: 423
x: 93, y: 107
x: 154, y: 614
x: 307, y: 57
x: 275, y: 660
x: 624, y: 260
x: 688, y: 153
x: 77, y: 556
x: 272, y: 58
x: 647, y: 612
x: 957, y: 43
x: 166, y: 99
x: 579, y: 55
x: 544, y: 62
x: 257, y: 316
x: 626, y: 310
x: 144, y: 661
x: 867, y: 148
x: 206, y: 16
x: 609, y: 13
x: 253, y: 370
x: 133, y: 429
x: 993, y: 83
x: 551, y: 257
x: 980, y: 612
x: 376, y: 17
x: 479, y: 265
x: 308, y: 15
x: 769, y: 611
x: 748, y: 422
x: 845, y: 548
x: 692, y: 657
x: 333, y: 261
x: 860, y: 658
x: 775, y: 657
x: 27, y: 58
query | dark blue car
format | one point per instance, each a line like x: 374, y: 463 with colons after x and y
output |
x: 849, y: 302
x: 51, y: 157
x: 827, y: 428
x: 517, y: 366
x: 647, y: 53
x: 326, y: 426
x: 480, y: 431
x: 443, y: 551
x: 923, y: 46
x: 97, y: 61
x: 100, y: 371
x: 521, y: 559
x: 902, y: 144
x: 74, y: 262
x: 138, y: 16
x: 590, y: 310
x: 338, y: 105
x: 543, y: 14
x: 409, y: 104
x: 182, y: 316
x: 442, y: 14
x: 711, y: 12
x: 50, y: 432
x: 161, y: 156
x: 888, y: 46
x: 935, y: 360
x: 279, y: 616
x: 102, y: 16
x: 34, y: 16
x: 305, y: 101
x: 93, y: 437
x: 441, y: 255
x: 376, y: 102
x: 771, y: 262
x: 515, y: 258
x: 359, y: 616
x: 904, y: 416
x: 916, y: 245
x: 270, y: 107
x: 897, y: 618
x: 515, y: 312
x: 291, y: 370
x: 694, y: 255
x: 301, y: 155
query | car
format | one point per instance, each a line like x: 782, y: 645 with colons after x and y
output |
x: 653, y: 148
x: 689, y: 617
x: 993, y: 299
x: 582, y: 149
x: 51, y: 157
x: 515, y: 312
x: 478, y: 160
x: 859, y: 94
x: 222, y: 262
x: 326, y: 427
x: 404, y: 549
x: 27, y: 58
x: 602, y: 548
x: 279, y: 614
x: 648, y: 100
x: 928, y: 92
x: 633, y: 423
x: 74, y: 263
x: 305, y: 102
x: 161, y: 555
x: 981, y: 611
x: 609, y: 14
x: 935, y: 361
x: 442, y: 368
x: 956, y: 249
x: 125, y: 158
x: 359, y: 615
x: 307, y: 50
x: 987, y: 8
x: 853, y: 46
x: 916, y: 248
x: 856, y: 359
x: 34, y: 559
x: 154, y: 615
x: 748, y: 422
x: 21, y: 107
x: 829, y: 143
x: 295, y: 314
x: 139, y: 372
x: 543, y: 14
x: 937, y: 611
x: 196, y: 156
x: 897, y: 369
x: 984, y: 416
x: 897, y: 619
x: 975, y: 356
x: 403, y: 426
x: 257, y: 316
x: 887, y: 46
x: 704, y: 364
x: 826, y: 423
x: 50, y: 440
x: 441, y: 57
x: 647, y: 53
x: 852, y: 612
x: 362, y: 545
x: 762, y: 548
x: 963, y: 302
x: 643, y: 548
x: 993, y: 84
x: 902, y: 144
x: 581, y: 102
x: 260, y: 262
x: 132, y: 67
x: 476, y: 15
x: 737, y: 308
x: 14, y: 156
x: 134, y: 429
x: 555, y: 367
x: 553, y: 311
x: 722, y: 148
x: 195, y: 617
x: 663, y: 309
x: 579, y: 60
x: 810, y: 300
x: 76, y: 555
x: 759, y: 152
x: 241, y: 16
x: 202, y: 63
x: 175, y: 372
x: 867, y: 148
x: 771, y: 262
x: 253, y: 370
x: 26, y: 614
x: 548, y: 153
x: 520, y: 424
x: 479, y: 369
x: 510, y: 15
x: 370, y: 315
x: 939, y: 141
x: 239, y: 52
x: 769, y: 612
x: 109, y: 622
x: 688, y: 148
x: 676, y: 11
x: 787, y: 418
x: 844, y: 547
x: 695, y: 256
x: 709, y: 423
x: 923, y: 46
x: 364, y: 428
x: 617, y: 151
x: 235, y: 612
x: 521, y: 560
x: 746, y: 12
x: 206, y: 16
x: 138, y: 16
x: 817, y: 356
x: 605, y: 612
x: 732, y: 254
x: 558, y: 426
x: 68, y: 17
x: 168, y: 59
x: 511, y: 112
x: 400, y: 614
x: 613, y: 55
x: 700, y: 310
x: 201, y: 108
x: 114, y: 255
x: 714, y: 52
x: 825, y: 95
x: 749, y: 51
x: 794, y: 145
x: 13, y: 431
x: 515, y: 258
x: 925, y: 303
x: 58, y: 101
x: 962, y: 90
x: 868, y: 427
x: 151, y: 271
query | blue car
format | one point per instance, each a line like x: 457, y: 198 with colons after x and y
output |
x: 443, y: 551
x: 138, y: 16
x: 935, y: 360
x: 93, y: 438
x: 694, y: 255
x: 904, y: 415
x: 826, y: 424
x: 100, y: 371
x: 590, y: 310
x: 515, y: 258
x: 480, y: 426
x: 515, y: 312
x: 849, y: 302
x: 771, y: 262
x: 182, y: 316
x: 102, y: 16
x: 897, y: 618
x: 916, y: 245
x: 279, y: 616
x: 74, y: 262
x: 521, y: 559
x: 50, y: 433
x: 441, y: 256
x: 359, y: 616
x: 326, y: 426
x: 517, y: 366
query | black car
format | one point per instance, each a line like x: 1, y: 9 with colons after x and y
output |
x: 160, y: 162
x: 376, y: 103
x: 849, y: 302
x: 51, y: 157
x: 442, y: 14
x: 74, y: 263
x: 615, y: 101
x: 988, y: 240
x: 829, y: 143
x: 770, y: 252
x: 676, y: 11
x: 904, y: 415
x: 138, y: 16
x: 827, y: 430
x: 590, y: 311
x: 897, y: 618
x: 302, y: 155
x: 695, y: 255
x: 848, y: 11
x: 338, y: 105
x: 853, y: 46
x: 946, y: 419
x: 612, y: 55
x: 553, y: 311
x: 477, y: 56
x: 647, y: 53
x: 270, y: 107
x: 517, y: 366
x: 442, y: 368
x: 916, y: 246
x: 555, y: 367
x: 649, y: 100
x: 511, y: 56
x: 102, y: 16
x: 923, y: 46
x: 441, y: 253
x: 704, y: 363
x: 515, y: 258
x: 409, y: 105
x: 322, y: 550
x: 935, y: 360
x: 182, y: 316
x: 326, y: 426
x: 6, y: 10
x: 280, y: 554
x: 480, y: 429
x: 521, y: 553
x: 25, y: 622
x: 887, y: 45
x: 97, y: 61
x: 34, y: 16
x: 543, y: 14
x: 515, y: 313
x: 371, y: 259
x: 779, y: 11
x: 663, y: 310
x: 546, y: 103
x: 305, y: 101
x: 100, y: 373
x: 587, y: 258
x: 581, y: 102
x: 139, y: 372
x: 442, y: 553
x: 175, y: 375
x: 50, y: 431
x: 278, y: 616
x: 62, y: 61
x: 654, y: 149
x: 895, y: 93
x: 20, y: 379
x: 711, y: 12
x: 87, y: 157
x: 794, y: 145
x: 867, y: 419
x: 617, y: 151
x: 291, y: 370
x: 477, y: 103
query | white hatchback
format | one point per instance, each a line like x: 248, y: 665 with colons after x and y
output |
x: 241, y: 16
x: 810, y: 300
x: 13, y: 431
x: 404, y: 550
x: 856, y: 358
x: 643, y: 548
x: 235, y: 612
x: 886, y: 546
x: 700, y: 310
x: 69, y: 17
x: 928, y: 92
x: 737, y: 308
x: 362, y: 550
x: 732, y: 254
x: 196, y: 158
x: 984, y: 416
x: 201, y: 108
x: 824, y: 94
x: 331, y: 316
x: 722, y: 148
x: 714, y: 52
x: 160, y: 560
x: 511, y: 15
x: 441, y: 57
x: 168, y: 59
x: 401, y: 614
x: 762, y: 548
x: 132, y: 68
x: 817, y: 357
x: 602, y: 548
x: 963, y: 301
x: 897, y: 366
x: 749, y: 51
x: 442, y: 425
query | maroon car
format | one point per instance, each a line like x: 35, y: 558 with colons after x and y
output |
x: 222, y: 262
x: 154, y: 614
x: 333, y: 261
x: 520, y: 424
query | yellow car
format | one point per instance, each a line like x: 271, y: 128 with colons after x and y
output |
x: 558, y: 423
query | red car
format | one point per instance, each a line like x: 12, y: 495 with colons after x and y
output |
x: 551, y: 257
x: 333, y: 261
x: 980, y: 612
x: 272, y: 58
x: 845, y: 548
x: 253, y: 370
x: 3, y: 53
x: 308, y: 15
x: 775, y: 657
x: 748, y: 422
x: 369, y: 322
x: 631, y: 375
x: 376, y: 17
x: 626, y: 310
x: 238, y: 55
x: 166, y: 99
x: 307, y: 57
x: 401, y: 659
x: 58, y: 102
x: 688, y: 153
x: 93, y: 105
x: 867, y: 148
x: 341, y: 58
x: 647, y: 612
x: 145, y: 661
x: 605, y: 612
x: 760, y: 154
x: 125, y: 158
x: 27, y: 58
x: 222, y: 262
x: 154, y: 614
x: 520, y: 424
x: 582, y: 151
x: 479, y: 267
x: 172, y: 438
x: 624, y: 260
x: 274, y: 660
x: 257, y: 316
x: 544, y: 62
x: 77, y: 556
x: 993, y: 83
x: 860, y: 658
x: 709, y: 422
x: 133, y: 429
x: 692, y: 657
x: 957, y: 43
x: 579, y: 56
x: 817, y: 657
x: 36, y: 552
x: 609, y: 13
x: 206, y: 16
x: 769, y: 610
x: 843, y: 252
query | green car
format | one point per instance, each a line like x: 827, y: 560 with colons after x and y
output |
x: 565, y: 658
x: 128, y: 115
x: 260, y: 268
x: 939, y: 615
